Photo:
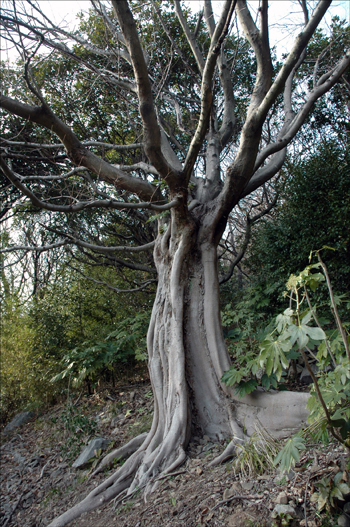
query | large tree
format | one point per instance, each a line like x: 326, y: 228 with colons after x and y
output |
x: 211, y: 137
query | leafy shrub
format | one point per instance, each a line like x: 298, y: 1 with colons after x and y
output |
x: 294, y: 334
x: 256, y: 456
x: 127, y: 342
x: 329, y: 489
x: 77, y: 427
x: 24, y: 374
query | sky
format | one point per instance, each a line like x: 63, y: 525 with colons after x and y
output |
x: 65, y: 11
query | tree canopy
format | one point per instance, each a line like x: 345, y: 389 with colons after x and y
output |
x: 151, y: 128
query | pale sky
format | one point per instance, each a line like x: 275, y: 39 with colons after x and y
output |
x: 65, y: 11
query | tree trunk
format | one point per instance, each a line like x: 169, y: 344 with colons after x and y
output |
x: 187, y: 357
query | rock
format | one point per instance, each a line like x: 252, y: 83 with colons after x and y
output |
x: 235, y: 489
x: 56, y: 473
x: 287, y: 476
x: 132, y: 396
x: 18, y: 458
x: 315, y: 468
x: 343, y: 521
x: 199, y: 471
x: 285, y: 509
x: 305, y: 376
x: 247, y: 485
x: 282, y: 499
x: 89, y: 451
x: 227, y: 494
x: 19, y: 420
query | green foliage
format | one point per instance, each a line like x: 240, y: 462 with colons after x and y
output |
x: 127, y: 342
x: 256, y: 456
x: 313, y: 212
x: 291, y: 334
x: 77, y: 428
x: 282, y: 519
x: 290, y: 453
x: 24, y: 383
x: 242, y: 330
x: 329, y: 489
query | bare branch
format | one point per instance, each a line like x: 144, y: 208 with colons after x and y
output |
x: 78, y: 154
x: 151, y: 130
x: 330, y: 79
x: 112, y: 288
x: 106, y: 146
x: 293, y: 58
x: 190, y: 38
x: 82, y: 205
x: 41, y: 249
x: 245, y: 243
x: 206, y: 89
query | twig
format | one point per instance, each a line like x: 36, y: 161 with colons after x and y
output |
x: 222, y: 502
x: 171, y: 474
x: 335, y: 310
x: 42, y: 470
x: 307, y: 484
x: 13, y: 510
x: 319, y: 325
x: 76, y: 402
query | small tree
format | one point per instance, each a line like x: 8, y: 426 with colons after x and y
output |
x: 211, y: 137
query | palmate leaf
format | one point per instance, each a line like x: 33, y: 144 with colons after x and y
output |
x: 289, y: 454
x: 284, y: 319
x: 302, y: 333
x: 272, y: 355
x: 246, y: 387
x: 231, y: 377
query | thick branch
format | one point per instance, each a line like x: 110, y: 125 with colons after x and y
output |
x: 292, y: 59
x: 190, y: 38
x: 72, y: 240
x: 259, y: 41
x: 151, y: 130
x: 316, y: 93
x: 206, y: 89
x: 106, y: 146
x: 76, y: 151
x: 111, y: 203
x: 229, y: 119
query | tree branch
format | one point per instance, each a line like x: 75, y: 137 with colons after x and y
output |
x: 190, y: 38
x: 76, y: 151
x: 151, y: 130
x: 206, y: 88
x: 115, y: 289
x: 111, y: 203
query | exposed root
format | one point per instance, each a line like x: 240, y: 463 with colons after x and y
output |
x: 228, y: 453
x: 105, y: 492
x: 120, y: 453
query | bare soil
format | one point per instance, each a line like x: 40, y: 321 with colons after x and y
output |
x: 38, y: 482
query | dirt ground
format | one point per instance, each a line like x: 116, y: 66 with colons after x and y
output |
x: 38, y: 482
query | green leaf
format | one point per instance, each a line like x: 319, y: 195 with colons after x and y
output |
x: 289, y: 454
x: 316, y: 333
x: 300, y: 334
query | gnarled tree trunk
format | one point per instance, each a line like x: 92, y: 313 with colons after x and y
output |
x: 187, y: 357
